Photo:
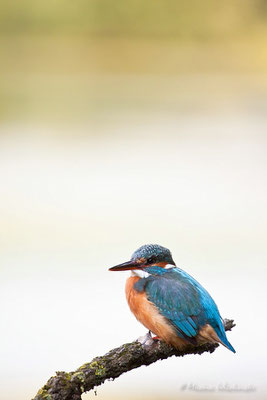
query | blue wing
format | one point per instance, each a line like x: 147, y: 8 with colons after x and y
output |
x: 183, y: 301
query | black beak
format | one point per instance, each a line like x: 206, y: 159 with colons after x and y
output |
x: 128, y: 265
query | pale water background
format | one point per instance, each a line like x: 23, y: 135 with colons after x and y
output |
x: 194, y: 182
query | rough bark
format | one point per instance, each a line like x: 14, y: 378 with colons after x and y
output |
x: 71, y: 385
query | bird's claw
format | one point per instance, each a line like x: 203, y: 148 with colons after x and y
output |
x: 146, y: 340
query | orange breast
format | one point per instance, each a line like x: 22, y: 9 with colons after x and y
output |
x: 148, y: 314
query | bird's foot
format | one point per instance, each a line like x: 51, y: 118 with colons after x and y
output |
x: 146, y: 340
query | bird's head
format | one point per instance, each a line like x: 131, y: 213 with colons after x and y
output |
x: 147, y: 256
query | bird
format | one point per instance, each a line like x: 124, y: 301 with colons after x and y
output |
x: 169, y: 302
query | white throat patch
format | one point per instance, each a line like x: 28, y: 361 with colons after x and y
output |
x: 140, y: 273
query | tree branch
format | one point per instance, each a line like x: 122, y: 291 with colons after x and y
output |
x: 71, y: 385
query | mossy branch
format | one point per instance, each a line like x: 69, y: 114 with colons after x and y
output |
x: 71, y: 385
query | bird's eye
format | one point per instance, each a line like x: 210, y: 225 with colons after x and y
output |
x: 151, y: 260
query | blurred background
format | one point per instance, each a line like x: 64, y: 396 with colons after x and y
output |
x: 125, y: 123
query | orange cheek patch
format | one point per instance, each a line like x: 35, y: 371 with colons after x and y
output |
x: 161, y: 264
x: 141, y: 261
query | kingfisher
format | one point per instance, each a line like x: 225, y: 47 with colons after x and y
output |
x: 169, y: 302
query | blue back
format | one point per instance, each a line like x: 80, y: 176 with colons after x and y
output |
x: 183, y: 301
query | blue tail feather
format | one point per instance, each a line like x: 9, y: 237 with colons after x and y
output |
x: 227, y: 344
x: 222, y: 336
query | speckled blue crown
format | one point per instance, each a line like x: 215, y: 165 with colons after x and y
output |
x: 153, y: 252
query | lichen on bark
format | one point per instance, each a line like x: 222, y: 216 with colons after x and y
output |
x: 71, y: 385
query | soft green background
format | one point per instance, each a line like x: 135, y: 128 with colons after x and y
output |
x: 124, y: 123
